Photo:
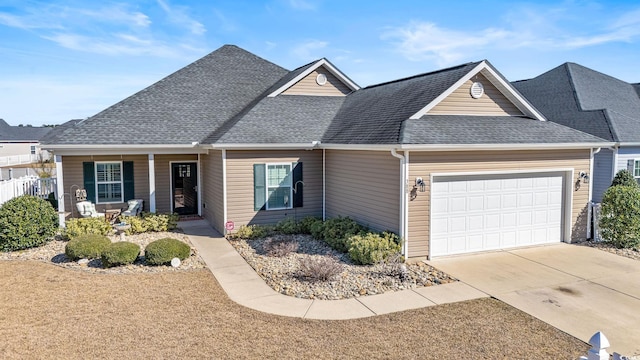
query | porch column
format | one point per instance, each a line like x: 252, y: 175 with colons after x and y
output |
x: 152, y: 184
x: 60, y: 189
x: 199, y: 186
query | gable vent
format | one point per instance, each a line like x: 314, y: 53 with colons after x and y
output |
x: 321, y: 79
x: 477, y: 90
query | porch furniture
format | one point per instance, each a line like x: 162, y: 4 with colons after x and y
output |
x: 87, y: 209
x: 134, y: 207
x: 111, y: 215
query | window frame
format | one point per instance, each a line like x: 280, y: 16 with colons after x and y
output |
x: 636, y: 168
x: 33, y: 150
x: 121, y: 182
x: 267, y: 186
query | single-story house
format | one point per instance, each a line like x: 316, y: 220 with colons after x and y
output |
x: 20, y: 149
x: 454, y: 160
x: 595, y: 103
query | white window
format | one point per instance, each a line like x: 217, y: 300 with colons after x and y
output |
x: 636, y: 168
x: 109, y: 182
x: 33, y: 149
x: 279, y: 191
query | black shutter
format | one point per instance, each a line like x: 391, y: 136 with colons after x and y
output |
x: 259, y: 187
x: 127, y: 180
x: 298, y: 185
x: 89, y: 176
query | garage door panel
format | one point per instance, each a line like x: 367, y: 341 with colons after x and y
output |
x: 487, y: 212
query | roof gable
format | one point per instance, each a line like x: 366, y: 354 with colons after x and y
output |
x: 319, y: 82
x: 485, y: 69
x: 321, y: 66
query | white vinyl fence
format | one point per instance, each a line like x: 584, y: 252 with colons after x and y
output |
x: 598, y: 351
x: 35, y: 186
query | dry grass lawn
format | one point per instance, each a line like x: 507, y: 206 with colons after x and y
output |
x: 50, y: 312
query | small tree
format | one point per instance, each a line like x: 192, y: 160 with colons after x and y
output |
x: 624, y: 178
x: 620, y: 216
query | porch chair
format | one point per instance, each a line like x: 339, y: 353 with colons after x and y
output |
x: 134, y: 207
x: 87, y: 209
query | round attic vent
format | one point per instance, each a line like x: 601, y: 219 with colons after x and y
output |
x: 321, y: 79
x: 477, y: 90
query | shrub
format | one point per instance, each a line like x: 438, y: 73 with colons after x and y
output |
x: 160, y: 222
x: 317, y: 230
x: 306, y: 224
x: 320, y: 267
x: 287, y: 226
x: 120, y: 253
x: 78, y: 227
x: 138, y: 224
x: 280, y: 246
x: 87, y: 246
x: 161, y: 251
x: 251, y: 232
x: 372, y: 248
x: 338, y: 230
x: 624, y: 178
x: 25, y: 222
x: 51, y: 199
x: 620, y: 216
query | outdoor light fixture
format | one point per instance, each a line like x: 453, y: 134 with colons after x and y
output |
x: 585, y: 177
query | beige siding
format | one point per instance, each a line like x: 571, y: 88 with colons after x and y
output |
x: 163, y: 179
x: 309, y: 86
x: 212, y: 193
x: 364, y: 185
x: 73, y: 179
x: 423, y: 164
x: 240, y: 206
x: 460, y: 101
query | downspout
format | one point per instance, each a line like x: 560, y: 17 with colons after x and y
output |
x: 324, y: 187
x: 590, y: 217
x: 224, y: 190
x: 403, y: 201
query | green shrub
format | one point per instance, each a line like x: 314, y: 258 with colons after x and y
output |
x: 161, y: 251
x: 372, y: 248
x: 78, y: 227
x: 138, y: 224
x: 624, y: 178
x: 620, y: 216
x: 306, y: 224
x: 250, y: 232
x: 87, y: 246
x: 338, y: 230
x: 287, y: 226
x: 25, y: 222
x: 317, y: 230
x: 120, y: 253
x: 160, y: 222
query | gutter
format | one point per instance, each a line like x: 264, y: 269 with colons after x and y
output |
x: 404, y: 203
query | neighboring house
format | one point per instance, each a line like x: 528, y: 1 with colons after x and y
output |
x: 595, y: 103
x: 19, y: 149
x: 454, y: 160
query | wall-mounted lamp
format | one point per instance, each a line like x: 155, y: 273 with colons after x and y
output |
x: 420, y: 184
x: 584, y: 177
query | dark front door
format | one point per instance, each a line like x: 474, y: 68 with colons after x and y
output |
x: 184, y: 187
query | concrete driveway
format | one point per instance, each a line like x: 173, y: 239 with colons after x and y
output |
x: 579, y: 290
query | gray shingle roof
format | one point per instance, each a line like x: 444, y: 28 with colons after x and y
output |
x: 184, y: 107
x: 455, y: 129
x: 587, y: 100
x: 10, y: 133
x: 285, y: 119
x: 374, y: 115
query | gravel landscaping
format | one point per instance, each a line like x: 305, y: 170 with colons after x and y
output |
x: 608, y: 247
x: 53, y: 252
x: 284, y: 274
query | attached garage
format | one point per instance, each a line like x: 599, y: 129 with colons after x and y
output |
x: 480, y: 212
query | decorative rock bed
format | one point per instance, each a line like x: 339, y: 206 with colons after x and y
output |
x: 608, y: 247
x: 284, y: 275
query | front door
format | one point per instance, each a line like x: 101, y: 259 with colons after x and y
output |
x: 184, y: 188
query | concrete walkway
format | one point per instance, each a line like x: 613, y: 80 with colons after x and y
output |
x: 577, y: 289
x: 244, y: 286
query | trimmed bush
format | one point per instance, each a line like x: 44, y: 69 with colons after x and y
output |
x: 305, y: 225
x: 321, y: 268
x: 85, y: 226
x: 120, y: 253
x: 138, y: 224
x: 317, y: 230
x: 250, y: 232
x: 338, y: 230
x: 287, y: 226
x: 624, y: 178
x: 25, y: 222
x: 373, y: 248
x: 620, y: 216
x: 160, y: 222
x: 161, y: 251
x: 88, y: 246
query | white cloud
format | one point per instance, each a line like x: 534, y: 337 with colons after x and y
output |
x: 178, y: 15
x: 120, y: 44
x: 308, y: 51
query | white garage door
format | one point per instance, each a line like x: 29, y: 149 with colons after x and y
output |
x: 489, y: 212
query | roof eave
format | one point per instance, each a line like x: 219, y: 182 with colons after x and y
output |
x: 124, y: 149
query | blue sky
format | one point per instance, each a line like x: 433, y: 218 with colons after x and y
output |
x: 66, y: 59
